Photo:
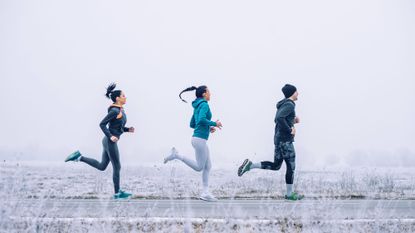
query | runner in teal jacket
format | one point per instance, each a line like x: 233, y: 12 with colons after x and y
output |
x: 201, y: 119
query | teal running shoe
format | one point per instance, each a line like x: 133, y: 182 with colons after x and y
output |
x: 246, y: 166
x: 122, y: 195
x: 73, y: 157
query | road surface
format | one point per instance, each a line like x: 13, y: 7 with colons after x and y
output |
x: 234, y: 209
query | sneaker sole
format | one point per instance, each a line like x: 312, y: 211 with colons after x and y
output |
x: 121, y: 198
x: 299, y: 199
x: 240, y: 169
x: 167, y: 160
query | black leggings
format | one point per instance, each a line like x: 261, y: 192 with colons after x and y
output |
x: 284, y: 151
x: 110, y: 153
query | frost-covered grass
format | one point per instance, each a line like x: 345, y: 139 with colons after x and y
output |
x: 53, y: 181
x: 77, y: 180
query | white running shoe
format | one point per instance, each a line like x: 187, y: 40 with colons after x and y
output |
x: 208, y: 197
x: 172, y: 156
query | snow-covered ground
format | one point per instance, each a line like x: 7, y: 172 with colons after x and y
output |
x: 46, y: 181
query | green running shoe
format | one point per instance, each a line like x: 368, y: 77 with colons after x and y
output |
x: 122, y: 195
x: 294, y: 197
x: 74, y: 156
x: 246, y: 166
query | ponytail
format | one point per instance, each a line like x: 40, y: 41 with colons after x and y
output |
x: 192, y: 88
x: 111, y: 94
x: 199, y: 91
x: 110, y: 88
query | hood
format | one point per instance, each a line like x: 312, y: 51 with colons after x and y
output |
x: 115, y: 106
x: 282, y: 102
x: 196, y: 103
x: 119, y: 116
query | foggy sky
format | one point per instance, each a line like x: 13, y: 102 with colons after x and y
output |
x: 353, y: 63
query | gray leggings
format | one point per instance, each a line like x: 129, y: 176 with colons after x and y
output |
x: 202, y: 162
x: 110, y: 153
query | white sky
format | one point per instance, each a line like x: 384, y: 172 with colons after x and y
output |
x: 353, y: 63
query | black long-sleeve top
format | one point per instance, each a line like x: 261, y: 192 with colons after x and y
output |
x: 115, y: 121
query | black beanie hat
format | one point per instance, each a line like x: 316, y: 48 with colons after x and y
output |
x: 288, y: 90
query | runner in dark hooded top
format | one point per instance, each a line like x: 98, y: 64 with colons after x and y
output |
x: 285, y: 119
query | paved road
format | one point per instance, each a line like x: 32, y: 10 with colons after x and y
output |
x: 236, y: 209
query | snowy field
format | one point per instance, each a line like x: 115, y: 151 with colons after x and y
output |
x: 40, y: 183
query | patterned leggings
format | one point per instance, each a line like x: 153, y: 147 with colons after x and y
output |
x: 284, y: 151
